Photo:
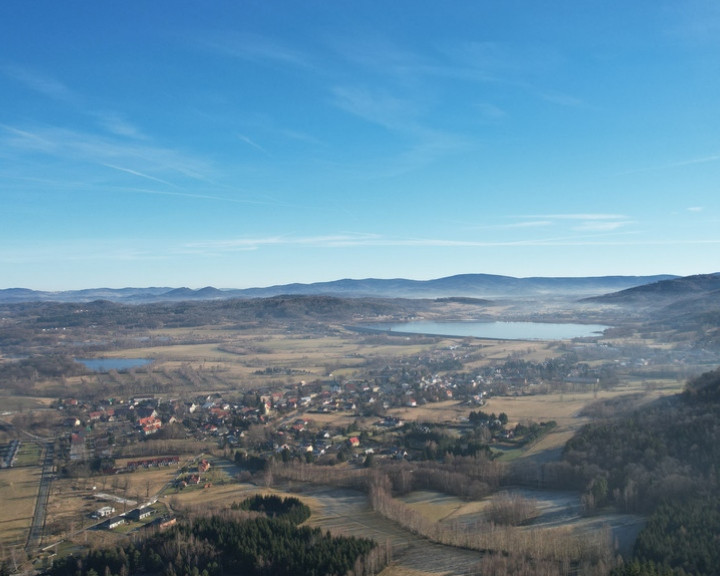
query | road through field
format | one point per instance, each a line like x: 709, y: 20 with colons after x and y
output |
x: 38, y: 523
x: 347, y: 512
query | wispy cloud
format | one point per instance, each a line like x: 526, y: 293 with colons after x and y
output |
x: 490, y: 111
x: 55, y: 89
x: 99, y: 249
x: 252, y: 143
x: 378, y: 55
x: 601, y: 225
x: 521, y: 67
x: 254, y: 47
x: 142, y: 158
x: 514, y: 225
x: 504, y: 60
x: 561, y: 99
x: 378, y: 107
x: 417, y: 143
x: 699, y: 160
x: 42, y: 83
x: 137, y: 249
x: 577, y: 216
x: 139, y: 174
x: 253, y: 243
x: 118, y: 125
x: 705, y: 159
x: 255, y: 201
x: 583, y: 222
x: 380, y: 241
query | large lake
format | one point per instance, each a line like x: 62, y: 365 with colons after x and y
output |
x: 107, y: 364
x: 497, y: 330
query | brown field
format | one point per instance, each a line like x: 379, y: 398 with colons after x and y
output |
x: 556, y: 509
x: 22, y: 403
x: 238, y: 358
x: 436, y: 506
x: 18, y: 487
x: 346, y: 512
x: 437, y: 412
x: 565, y: 409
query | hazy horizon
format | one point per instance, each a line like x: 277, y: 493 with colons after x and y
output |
x: 336, y: 280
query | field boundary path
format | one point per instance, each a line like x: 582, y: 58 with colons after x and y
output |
x: 46, y: 476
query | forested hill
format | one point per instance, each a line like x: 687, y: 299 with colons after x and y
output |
x: 664, y: 291
x: 663, y: 459
x: 107, y: 314
x: 664, y: 450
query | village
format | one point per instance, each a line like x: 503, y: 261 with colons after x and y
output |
x: 333, y: 419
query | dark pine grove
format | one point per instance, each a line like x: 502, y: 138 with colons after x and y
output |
x: 216, y: 545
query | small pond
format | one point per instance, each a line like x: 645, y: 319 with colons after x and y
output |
x: 107, y: 364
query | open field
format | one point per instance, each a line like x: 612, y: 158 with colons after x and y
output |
x: 28, y: 455
x: 555, y: 509
x: 566, y: 409
x: 236, y: 359
x: 18, y: 490
x: 14, y: 403
x: 346, y: 512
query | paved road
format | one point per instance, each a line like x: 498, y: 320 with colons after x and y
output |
x: 38, y: 523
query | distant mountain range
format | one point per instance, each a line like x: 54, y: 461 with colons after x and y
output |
x: 486, y: 286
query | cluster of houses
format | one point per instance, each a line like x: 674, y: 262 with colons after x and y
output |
x: 147, y: 463
x: 228, y: 419
x: 140, y: 514
x: 195, y: 477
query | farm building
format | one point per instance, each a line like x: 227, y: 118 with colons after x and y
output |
x: 113, y: 523
x: 139, y: 514
x: 103, y: 512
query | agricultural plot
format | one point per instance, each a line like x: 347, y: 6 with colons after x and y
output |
x: 206, y: 359
x: 28, y: 455
x: 19, y: 487
x: 555, y: 509
x: 345, y: 512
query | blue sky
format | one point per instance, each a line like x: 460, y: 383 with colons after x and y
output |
x: 252, y: 143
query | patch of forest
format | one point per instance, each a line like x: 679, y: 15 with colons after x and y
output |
x: 664, y: 460
x: 290, y: 509
x: 230, y: 544
x: 680, y: 538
